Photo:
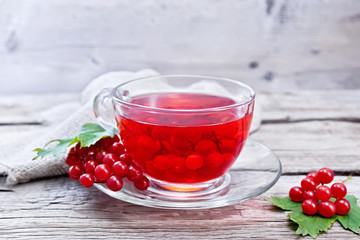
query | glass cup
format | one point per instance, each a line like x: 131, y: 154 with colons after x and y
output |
x: 183, y: 131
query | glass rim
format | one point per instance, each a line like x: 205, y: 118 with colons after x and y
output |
x: 247, y: 101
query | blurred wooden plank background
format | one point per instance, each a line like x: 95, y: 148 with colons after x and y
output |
x: 274, y: 45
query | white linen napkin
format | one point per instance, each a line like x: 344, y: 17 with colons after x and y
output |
x: 62, y: 121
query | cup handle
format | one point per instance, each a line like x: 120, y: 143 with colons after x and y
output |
x: 99, y: 107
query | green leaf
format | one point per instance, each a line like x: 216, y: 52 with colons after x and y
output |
x: 351, y: 220
x: 90, y: 133
x: 285, y: 203
x: 311, y: 225
x: 55, y: 150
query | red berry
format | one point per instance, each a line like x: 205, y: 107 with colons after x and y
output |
x: 194, y: 161
x: 75, y: 172
x: 72, y: 159
x: 90, y: 166
x: 323, y: 193
x: 114, y: 183
x: 126, y: 158
x: 296, y: 194
x: 342, y: 206
x: 327, y: 209
x: 110, y: 159
x: 309, y: 207
x: 120, y: 168
x: 163, y: 162
x: 116, y: 148
x: 313, y: 176
x: 116, y: 138
x: 91, y: 153
x: 142, y: 184
x: 81, y: 151
x: 325, y: 175
x: 214, y: 159
x: 100, y: 156
x: 307, y: 184
x: 205, y: 146
x: 134, y: 173
x: 102, y: 172
x: 72, y: 150
x: 101, y: 144
x: 310, y: 195
x: 338, y: 190
x: 87, y: 180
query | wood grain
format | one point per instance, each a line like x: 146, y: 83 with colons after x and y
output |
x: 55, y: 208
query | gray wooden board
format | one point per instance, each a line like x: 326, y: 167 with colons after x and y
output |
x: 306, y: 130
x: 59, y: 207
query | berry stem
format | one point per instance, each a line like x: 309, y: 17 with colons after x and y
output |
x: 217, y: 142
x: 348, y: 179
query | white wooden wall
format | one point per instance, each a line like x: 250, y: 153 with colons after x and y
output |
x: 274, y: 45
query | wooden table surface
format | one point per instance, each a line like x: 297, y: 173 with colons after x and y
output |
x: 306, y: 130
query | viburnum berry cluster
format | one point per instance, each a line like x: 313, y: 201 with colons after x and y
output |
x: 316, y: 197
x: 105, y: 162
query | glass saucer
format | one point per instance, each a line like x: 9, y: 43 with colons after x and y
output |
x: 256, y: 170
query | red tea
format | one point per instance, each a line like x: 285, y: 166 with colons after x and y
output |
x: 183, y: 146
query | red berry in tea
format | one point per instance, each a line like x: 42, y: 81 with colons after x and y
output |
x: 194, y: 161
x: 163, y: 162
x: 214, y: 160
